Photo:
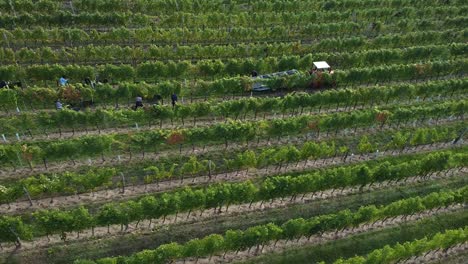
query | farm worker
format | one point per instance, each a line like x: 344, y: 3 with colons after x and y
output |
x: 63, y: 81
x: 312, y: 70
x: 58, y: 105
x: 139, y: 102
x: 156, y: 99
x: 88, y: 81
x: 174, y: 99
x: 3, y: 84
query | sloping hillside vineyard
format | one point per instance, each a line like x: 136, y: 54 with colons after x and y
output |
x: 233, y: 131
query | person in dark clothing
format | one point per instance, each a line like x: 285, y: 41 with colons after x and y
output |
x: 15, y: 84
x: 313, y: 71
x: 156, y: 99
x: 174, y: 99
x: 139, y: 102
x: 3, y: 84
x: 254, y: 73
x: 89, y: 82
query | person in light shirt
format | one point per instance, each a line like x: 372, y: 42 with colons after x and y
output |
x: 58, y: 105
x: 63, y: 81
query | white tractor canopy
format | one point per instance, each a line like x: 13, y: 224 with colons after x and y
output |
x: 321, y: 65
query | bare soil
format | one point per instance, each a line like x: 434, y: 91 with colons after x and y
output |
x: 125, y: 158
x: 146, y: 226
x: 282, y: 245
x: 439, y: 255
x: 68, y: 133
x: 117, y: 194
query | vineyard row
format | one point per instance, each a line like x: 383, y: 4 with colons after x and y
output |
x: 233, y: 131
x: 71, y: 183
x: 234, y: 240
x: 217, y: 20
x: 303, y: 32
x: 38, y: 122
x: 161, y: 7
x: 401, y: 252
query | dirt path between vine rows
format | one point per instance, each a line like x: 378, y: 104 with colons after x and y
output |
x: 116, y: 194
x: 437, y: 255
x: 147, y: 226
x: 201, y: 122
x: 10, y: 173
x: 283, y: 245
x: 279, y: 94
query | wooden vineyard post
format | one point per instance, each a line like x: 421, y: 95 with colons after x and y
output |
x: 123, y: 182
x: 27, y: 194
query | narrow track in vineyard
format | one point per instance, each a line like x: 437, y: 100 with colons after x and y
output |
x: 135, y: 191
x: 439, y: 256
x: 283, y: 245
x: 218, y: 99
x: 147, y: 226
x: 143, y: 58
x: 126, y: 158
x: 208, y: 121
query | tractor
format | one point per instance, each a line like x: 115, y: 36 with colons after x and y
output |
x: 322, y: 75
